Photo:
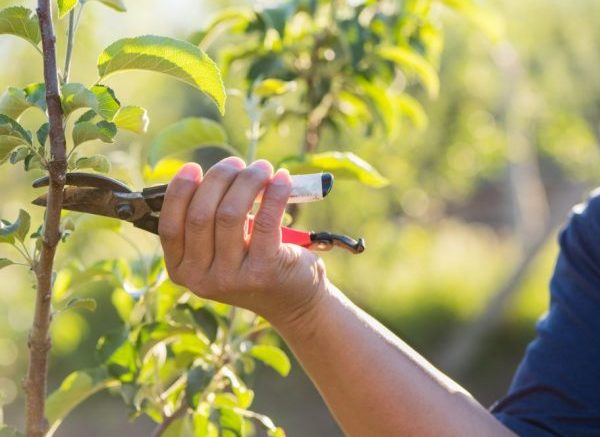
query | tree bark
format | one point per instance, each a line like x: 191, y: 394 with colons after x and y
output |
x: 39, y: 340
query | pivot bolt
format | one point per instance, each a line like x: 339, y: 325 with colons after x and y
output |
x: 124, y: 211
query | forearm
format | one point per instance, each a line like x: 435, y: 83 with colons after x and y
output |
x: 373, y: 382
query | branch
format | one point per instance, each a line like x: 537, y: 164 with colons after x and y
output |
x: 70, y: 42
x: 39, y: 341
x: 161, y: 428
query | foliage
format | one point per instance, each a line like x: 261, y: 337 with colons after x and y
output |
x: 330, y: 66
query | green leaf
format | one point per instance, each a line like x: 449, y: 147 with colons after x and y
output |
x: 123, y: 303
x: 207, y: 321
x: 119, y: 356
x: 198, y: 380
x: 19, y: 154
x: 19, y: 229
x: 232, y: 424
x: 132, y: 118
x: 90, y: 127
x: 99, y: 163
x: 82, y: 303
x: 42, y: 134
x: 20, y: 22
x: 274, y: 87
x: 65, y: 6
x: 61, y: 286
x: 5, y: 262
x: 410, y: 60
x: 186, y: 135
x: 244, y: 395
x: 163, y: 171
x: 108, y: 104
x: 23, y: 224
x: 7, y: 145
x: 232, y: 21
x: 15, y: 101
x: 12, y: 135
x: 179, y: 59
x: 75, y: 96
x: 153, y: 333
x: 181, y: 427
x: 376, y: 96
x: 31, y: 162
x: 412, y: 109
x: 36, y: 95
x: 117, y: 5
x: 272, y: 356
x: 101, y: 99
x: 76, y: 388
x: 491, y: 23
x: 343, y: 165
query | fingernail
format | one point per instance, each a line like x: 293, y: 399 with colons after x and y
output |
x: 282, y: 177
x: 233, y: 161
x: 190, y: 172
x: 263, y: 165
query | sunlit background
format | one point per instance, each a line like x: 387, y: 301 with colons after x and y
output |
x: 461, y: 245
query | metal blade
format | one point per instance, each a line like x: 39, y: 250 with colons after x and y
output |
x: 98, y: 201
x: 90, y: 180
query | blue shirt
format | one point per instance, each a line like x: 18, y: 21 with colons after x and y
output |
x: 556, y: 390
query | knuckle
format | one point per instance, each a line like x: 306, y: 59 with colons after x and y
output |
x: 228, y: 216
x: 174, y: 275
x: 278, y: 194
x: 251, y: 174
x: 225, y: 282
x: 222, y: 171
x: 198, y: 218
x: 201, y: 287
x: 265, y: 221
x: 168, y: 230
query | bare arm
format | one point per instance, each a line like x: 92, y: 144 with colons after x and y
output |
x: 374, y: 384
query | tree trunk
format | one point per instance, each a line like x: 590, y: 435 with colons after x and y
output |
x: 39, y: 340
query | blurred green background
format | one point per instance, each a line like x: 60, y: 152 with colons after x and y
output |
x: 461, y: 245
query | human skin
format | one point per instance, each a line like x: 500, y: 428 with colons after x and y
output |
x: 373, y: 383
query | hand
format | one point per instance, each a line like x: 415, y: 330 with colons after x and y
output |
x: 202, y: 231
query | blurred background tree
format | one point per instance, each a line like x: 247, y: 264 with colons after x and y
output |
x: 461, y: 243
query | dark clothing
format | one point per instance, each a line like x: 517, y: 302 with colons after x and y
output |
x: 556, y: 390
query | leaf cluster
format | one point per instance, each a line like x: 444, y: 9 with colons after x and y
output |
x: 172, y: 353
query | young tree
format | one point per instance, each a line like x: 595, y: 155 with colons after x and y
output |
x: 329, y: 66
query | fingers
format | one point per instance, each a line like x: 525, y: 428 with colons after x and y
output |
x: 266, y: 233
x: 233, y: 210
x: 200, y: 220
x: 171, y: 227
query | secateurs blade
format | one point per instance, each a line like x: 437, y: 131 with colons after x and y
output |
x: 101, y: 195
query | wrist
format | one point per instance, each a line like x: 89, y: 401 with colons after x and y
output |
x: 303, y: 322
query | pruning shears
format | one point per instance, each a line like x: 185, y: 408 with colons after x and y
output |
x: 101, y: 195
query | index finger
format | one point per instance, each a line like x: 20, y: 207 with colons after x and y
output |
x: 171, y: 225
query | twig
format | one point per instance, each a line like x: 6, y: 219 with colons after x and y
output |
x: 70, y: 41
x: 161, y: 428
x: 39, y: 341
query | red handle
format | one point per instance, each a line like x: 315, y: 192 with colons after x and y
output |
x: 289, y: 235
